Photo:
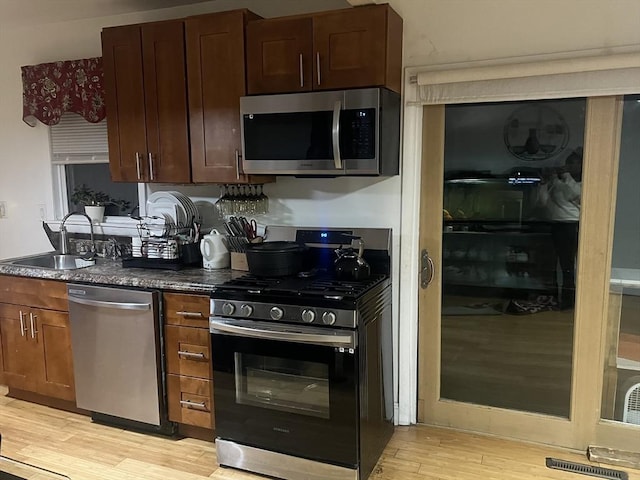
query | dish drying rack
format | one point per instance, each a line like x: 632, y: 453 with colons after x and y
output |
x: 163, y: 244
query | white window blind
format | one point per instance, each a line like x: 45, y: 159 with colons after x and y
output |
x: 74, y: 140
x: 561, y: 78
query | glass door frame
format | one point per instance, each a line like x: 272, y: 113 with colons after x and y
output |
x: 584, y: 426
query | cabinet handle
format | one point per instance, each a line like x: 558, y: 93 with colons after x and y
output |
x: 23, y: 329
x: 150, y: 157
x: 238, y: 166
x: 138, y: 168
x: 318, y: 65
x: 301, y: 73
x: 184, y: 353
x: 192, y: 404
x: 190, y: 314
x: 32, y: 320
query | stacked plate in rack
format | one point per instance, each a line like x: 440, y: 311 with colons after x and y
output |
x: 175, y: 205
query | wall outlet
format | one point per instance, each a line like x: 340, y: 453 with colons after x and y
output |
x: 42, y: 209
x: 3, y: 210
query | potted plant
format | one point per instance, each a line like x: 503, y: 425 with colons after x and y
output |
x: 94, y: 202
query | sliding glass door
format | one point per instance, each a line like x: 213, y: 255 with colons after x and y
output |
x: 516, y: 208
x: 620, y: 410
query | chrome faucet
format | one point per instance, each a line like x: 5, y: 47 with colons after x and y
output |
x: 64, y: 239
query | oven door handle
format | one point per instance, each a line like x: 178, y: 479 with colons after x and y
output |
x: 263, y: 330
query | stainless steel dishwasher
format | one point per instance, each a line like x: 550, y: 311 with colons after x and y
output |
x: 117, y: 361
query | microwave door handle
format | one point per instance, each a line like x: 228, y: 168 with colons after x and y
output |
x: 335, y: 132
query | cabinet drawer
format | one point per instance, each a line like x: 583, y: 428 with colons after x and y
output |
x: 186, y: 310
x: 190, y: 400
x: 188, y: 351
x: 34, y: 292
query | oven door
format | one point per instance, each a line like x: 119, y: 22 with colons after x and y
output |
x: 289, y: 389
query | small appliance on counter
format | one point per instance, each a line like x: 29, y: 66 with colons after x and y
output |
x: 215, y: 253
x: 303, y: 359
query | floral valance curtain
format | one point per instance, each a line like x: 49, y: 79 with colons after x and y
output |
x: 51, y: 89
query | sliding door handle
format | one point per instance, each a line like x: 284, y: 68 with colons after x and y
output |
x: 427, y: 269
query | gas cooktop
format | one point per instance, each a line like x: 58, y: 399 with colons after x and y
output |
x: 319, y: 285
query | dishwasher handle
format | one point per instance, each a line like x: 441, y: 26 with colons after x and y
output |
x: 106, y: 304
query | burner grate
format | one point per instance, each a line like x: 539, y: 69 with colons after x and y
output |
x: 300, y: 286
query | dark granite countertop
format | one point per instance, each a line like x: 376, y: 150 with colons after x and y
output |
x: 111, y: 273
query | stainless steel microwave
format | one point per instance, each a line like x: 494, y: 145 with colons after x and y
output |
x: 333, y: 133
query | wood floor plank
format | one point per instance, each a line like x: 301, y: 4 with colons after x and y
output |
x: 73, y: 445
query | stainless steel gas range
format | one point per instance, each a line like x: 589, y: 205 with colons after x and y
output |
x: 303, y: 364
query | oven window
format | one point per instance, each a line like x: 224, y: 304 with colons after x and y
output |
x: 282, y: 384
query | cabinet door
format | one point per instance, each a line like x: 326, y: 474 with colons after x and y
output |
x: 124, y: 95
x: 216, y: 81
x: 18, y: 356
x: 49, y: 331
x: 216, y: 76
x: 188, y: 351
x: 186, y: 310
x: 190, y: 401
x: 165, y: 90
x: 279, y: 55
x: 35, y: 292
x: 350, y: 48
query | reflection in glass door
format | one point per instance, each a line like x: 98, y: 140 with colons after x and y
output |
x: 511, y: 198
x: 621, y: 388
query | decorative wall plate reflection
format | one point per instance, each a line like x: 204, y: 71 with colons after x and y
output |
x: 535, y: 132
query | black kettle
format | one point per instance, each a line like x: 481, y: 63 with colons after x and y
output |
x: 350, y: 265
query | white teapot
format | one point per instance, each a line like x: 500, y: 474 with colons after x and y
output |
x: 215, y: 253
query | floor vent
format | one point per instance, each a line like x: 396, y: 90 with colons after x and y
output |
x: 583, y: 469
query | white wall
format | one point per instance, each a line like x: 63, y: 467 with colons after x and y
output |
x: 453, y: 31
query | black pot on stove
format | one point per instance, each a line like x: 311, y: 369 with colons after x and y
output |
x: 350, y: 265
x: 275, y: 259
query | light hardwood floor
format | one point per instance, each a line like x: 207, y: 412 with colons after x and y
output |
x: 71, y: 444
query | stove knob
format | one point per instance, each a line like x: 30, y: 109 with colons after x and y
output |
x: 228, y: 309
x: 308, y: 316
x: 328, y: 318
x: 246, y: 310
x: 276, y: 313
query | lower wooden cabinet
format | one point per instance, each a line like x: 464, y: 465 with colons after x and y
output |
x: 188, y: 352
x: 190, y: 400
x: 35, y: 343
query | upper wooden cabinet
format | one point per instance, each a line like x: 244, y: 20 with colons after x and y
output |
x: 352, y: 48
x: 216, y: 81
x: 173, y: 99
x: 146, y: 99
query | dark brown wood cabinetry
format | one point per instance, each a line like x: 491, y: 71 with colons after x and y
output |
x: 35, y: 341
x: 173, y: 97
x: 351, y: 48
x: 189, y: 367
x: 216, y: 81
x: 146, y: 102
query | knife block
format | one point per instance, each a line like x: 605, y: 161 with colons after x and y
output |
x: 239, y: 261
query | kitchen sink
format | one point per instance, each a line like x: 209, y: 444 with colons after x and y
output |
x: 52, y: 260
